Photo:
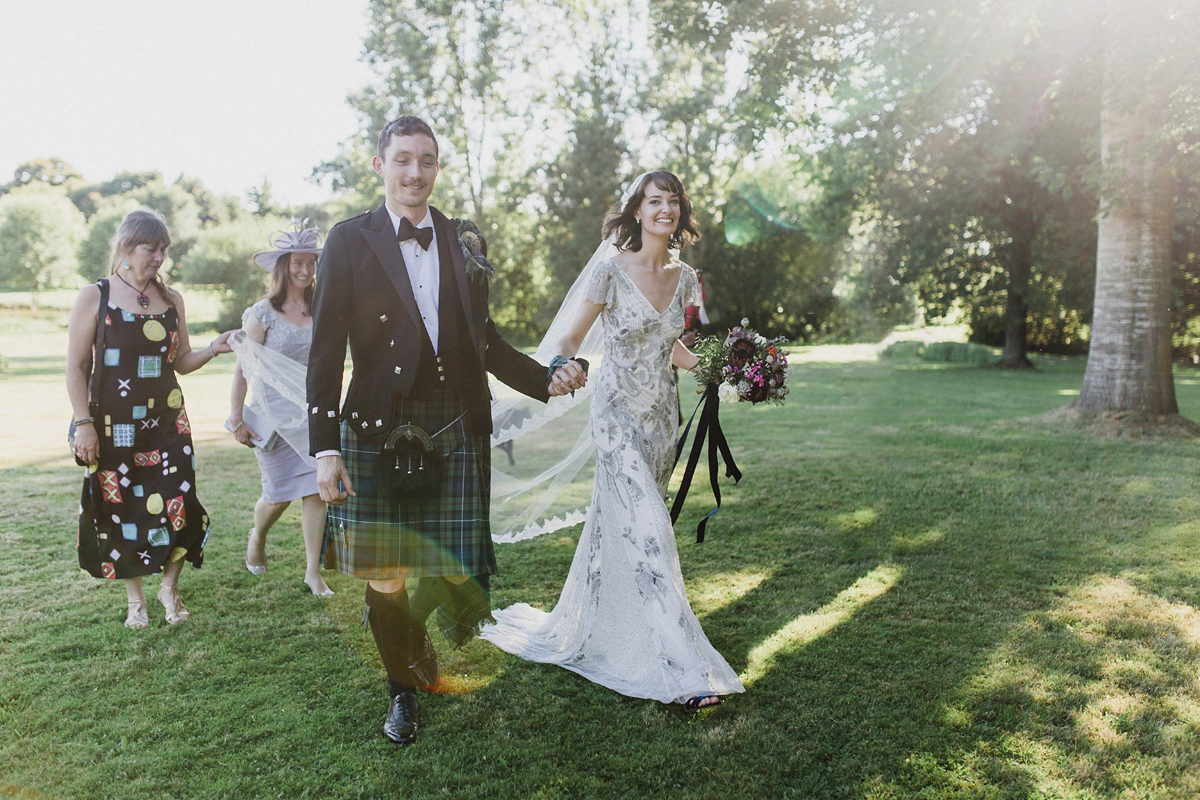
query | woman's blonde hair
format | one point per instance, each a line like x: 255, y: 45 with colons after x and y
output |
x: 142, y: 226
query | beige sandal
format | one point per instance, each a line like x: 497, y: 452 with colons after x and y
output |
x: 136, y: 617
x: 255, y: 569
x: 173, y: 604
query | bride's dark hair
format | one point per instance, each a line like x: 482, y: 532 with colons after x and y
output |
x: 620, y: 218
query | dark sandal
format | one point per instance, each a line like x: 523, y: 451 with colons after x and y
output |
x: 694, y: 704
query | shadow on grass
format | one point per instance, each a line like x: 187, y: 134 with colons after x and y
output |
x: 1018, y: 619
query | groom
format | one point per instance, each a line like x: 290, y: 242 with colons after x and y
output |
x: 408, y: 289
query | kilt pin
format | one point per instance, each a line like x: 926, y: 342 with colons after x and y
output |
x: 364, y: 299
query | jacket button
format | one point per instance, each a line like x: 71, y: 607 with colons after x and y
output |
x: 397, y: 370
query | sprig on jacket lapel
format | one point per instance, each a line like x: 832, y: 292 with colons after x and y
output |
x: 479, y: 269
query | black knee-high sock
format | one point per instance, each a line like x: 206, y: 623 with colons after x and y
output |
x: 407, y: 653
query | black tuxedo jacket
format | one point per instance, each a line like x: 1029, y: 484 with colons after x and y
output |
x: 364, y: 297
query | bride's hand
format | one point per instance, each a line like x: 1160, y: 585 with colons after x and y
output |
x: 567, y: 378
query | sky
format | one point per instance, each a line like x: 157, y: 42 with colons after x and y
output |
x: 227, y: 91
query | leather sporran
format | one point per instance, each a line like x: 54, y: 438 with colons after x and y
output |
x: 409, y: 467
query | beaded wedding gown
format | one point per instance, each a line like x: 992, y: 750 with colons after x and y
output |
x: 623, y: 618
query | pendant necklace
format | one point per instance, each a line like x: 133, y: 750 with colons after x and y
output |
x: 143, y: 299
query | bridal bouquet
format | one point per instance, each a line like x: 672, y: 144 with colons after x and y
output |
x: 744, y: 366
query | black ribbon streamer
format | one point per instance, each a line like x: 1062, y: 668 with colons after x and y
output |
x: 710, y: 427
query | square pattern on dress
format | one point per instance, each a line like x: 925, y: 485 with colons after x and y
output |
x: 149, y: 366
x: 123, y: 435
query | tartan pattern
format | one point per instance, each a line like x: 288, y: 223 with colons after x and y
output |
x: 448, y: 534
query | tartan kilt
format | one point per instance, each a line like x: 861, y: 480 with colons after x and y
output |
x: 444, y: 534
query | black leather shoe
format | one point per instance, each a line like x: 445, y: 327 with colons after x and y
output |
x: 400, y: 727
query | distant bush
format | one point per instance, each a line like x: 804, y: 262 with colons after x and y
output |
x: 907, y: 349
x: 958, y: 353
x: 940, y: 352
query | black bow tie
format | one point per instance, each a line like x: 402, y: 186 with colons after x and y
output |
x: 424, y: 236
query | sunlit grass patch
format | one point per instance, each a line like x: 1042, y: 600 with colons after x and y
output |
x: 857, y: 519
x: 807, y: 627
x: 1100, y: 693
x: 718, y: 590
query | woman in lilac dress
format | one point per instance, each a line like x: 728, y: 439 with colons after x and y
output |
x: 282, y: 323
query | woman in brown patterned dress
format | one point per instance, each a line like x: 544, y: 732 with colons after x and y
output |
x: 139, y: 512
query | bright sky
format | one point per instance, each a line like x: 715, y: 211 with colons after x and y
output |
x: 227, y: 91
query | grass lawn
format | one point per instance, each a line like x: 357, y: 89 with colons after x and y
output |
x: 928, y: 594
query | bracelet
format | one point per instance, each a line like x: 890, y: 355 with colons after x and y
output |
x: 559, y: 361
x: 239, y: 426
x: 84, y: 421
x: 212, y: 353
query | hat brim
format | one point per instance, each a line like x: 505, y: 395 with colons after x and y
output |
x: 267, y: 258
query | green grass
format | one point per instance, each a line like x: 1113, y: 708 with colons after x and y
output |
x: 928, y: 594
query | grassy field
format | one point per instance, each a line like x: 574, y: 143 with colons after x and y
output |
x: 928, y: 595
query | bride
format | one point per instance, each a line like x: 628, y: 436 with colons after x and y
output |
x: 623, y: 618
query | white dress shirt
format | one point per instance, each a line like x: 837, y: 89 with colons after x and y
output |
x: 424, y: 273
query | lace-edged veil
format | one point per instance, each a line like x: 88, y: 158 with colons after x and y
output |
x: 550, y: 484
x: 276, y: 386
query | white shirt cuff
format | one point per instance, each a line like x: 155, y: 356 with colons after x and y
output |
x: 324, y: 453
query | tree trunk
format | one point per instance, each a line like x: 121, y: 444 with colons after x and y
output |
x: 1129, y: 360
x: 1016, y: 307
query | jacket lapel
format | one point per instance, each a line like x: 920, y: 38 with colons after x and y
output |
x: 381, y: 238
x: 448, y: 238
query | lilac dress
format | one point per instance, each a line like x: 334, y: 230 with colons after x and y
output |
x: 285, y: 475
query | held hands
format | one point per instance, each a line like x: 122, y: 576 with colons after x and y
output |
x: 221, y: 343
x: 566, y: 379
x: 330, y: 470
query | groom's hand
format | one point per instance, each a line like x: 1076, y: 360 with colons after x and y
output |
x: 330, y: 470
x: 567, y: 378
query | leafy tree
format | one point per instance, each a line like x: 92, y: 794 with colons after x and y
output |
x: 585, y: 178
x: 445, y: 61
x: 213, y: 209
x: 95, y: 247
x: 179, y: 208
x: 42, y: 171
x: 38, y: 230
x: 1151, y: 75
x: 261, y: 198
x: 88, y: 197
x: 222, y: 258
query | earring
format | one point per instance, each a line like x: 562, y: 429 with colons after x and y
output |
x: 636, y: 221
x: 127, y: 264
